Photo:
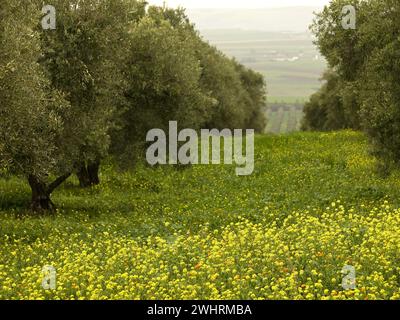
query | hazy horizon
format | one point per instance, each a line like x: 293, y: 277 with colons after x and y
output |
x: 239, y: 4
x: 289, y: 19
x: 274, y: 41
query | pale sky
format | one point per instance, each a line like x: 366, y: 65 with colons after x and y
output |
x: 194, y: 4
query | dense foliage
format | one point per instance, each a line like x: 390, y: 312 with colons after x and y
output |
x: 325, y: 111
x: 110, y: 71
x: 32, y: 112
x: 362, y: 90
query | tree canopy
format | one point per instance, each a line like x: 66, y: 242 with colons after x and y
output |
x: 363, y: 90
x: 109, y: 71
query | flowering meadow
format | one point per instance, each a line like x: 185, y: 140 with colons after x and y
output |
x: 314, y: 204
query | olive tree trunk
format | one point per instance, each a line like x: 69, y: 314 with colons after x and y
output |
x: 93, y: 171
x: 88, y: 174
x: 41, y: 193
x: 41, y: 200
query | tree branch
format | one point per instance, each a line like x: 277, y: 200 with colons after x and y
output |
x: 57, y: 182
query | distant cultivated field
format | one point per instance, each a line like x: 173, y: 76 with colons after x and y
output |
x: 284, y: 118
x: 290, y: 62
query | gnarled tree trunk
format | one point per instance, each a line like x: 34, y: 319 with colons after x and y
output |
x: 83, y: 176
x: 41, y: 193
x: 88, y: 175
x: 93, y: 170
x: 40, y: 196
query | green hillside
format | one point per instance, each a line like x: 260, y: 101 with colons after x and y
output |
x: 313, y: 205
x: 290, y: 62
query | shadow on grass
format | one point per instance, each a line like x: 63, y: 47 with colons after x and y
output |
x: 10, y: 202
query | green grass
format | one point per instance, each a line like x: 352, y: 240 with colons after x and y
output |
x: 202, y: 232
x: 291, y: 171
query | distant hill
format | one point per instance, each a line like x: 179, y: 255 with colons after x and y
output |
x: 273, y: 41
x: 290, y: 19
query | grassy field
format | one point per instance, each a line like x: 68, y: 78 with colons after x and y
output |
x: 312, y: 206
x: 284, y: 118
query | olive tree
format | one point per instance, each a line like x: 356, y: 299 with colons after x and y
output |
x: 366, y: 61
x: 325, y: 110
x: 380, y: 79
x: 162, y: 76
x: 31, y: 112
x: 345, y: 55
x: 238, y: 94
x: 84, y: 58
